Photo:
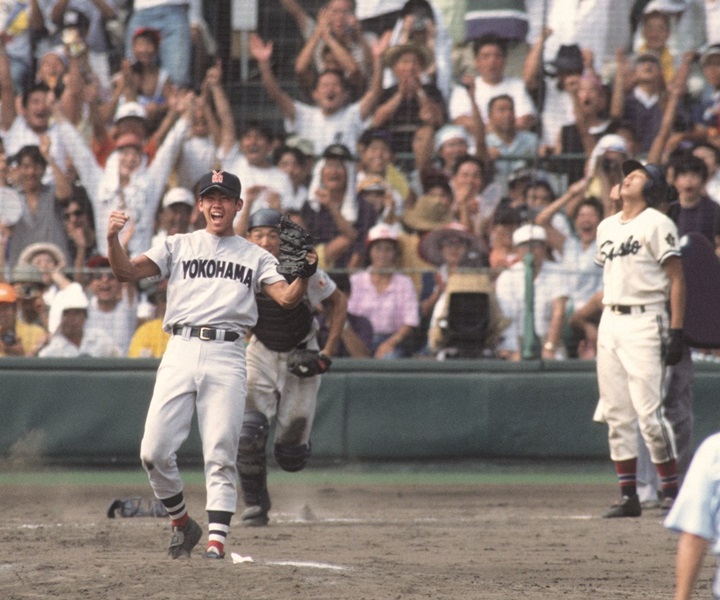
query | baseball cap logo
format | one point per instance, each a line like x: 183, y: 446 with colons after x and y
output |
x: 217, y: 176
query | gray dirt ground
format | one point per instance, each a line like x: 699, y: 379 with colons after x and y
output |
x: 349, y: 541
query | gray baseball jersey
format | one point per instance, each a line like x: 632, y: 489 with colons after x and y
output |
x: 213, y: 280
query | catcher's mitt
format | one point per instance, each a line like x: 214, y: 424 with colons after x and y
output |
x: 307, y: 363
x: 136, y: 506
x: 295, y: 243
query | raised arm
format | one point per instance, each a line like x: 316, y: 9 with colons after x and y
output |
x: 478, y: 125
x: 371, y: 97
x: 122, y: 266
x: 262, y: 53
x: 84, y: 161
x: 223, y: 110
x: 532, y: 67
x: 617, y: 100
x: 676, y: 90
x: 304, y: 62
x: 574, y: 193
x: 63, y: 187
x: 161, y: 166
x: 296, y: 11
x: 7, y: 89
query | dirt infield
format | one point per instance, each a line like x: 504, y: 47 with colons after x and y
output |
x: 351, y: 541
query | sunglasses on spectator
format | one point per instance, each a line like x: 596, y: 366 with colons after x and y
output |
x: 99, y: 276
x: 27, y: 290
x: 76, y: 213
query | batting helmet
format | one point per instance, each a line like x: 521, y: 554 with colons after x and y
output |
x: 265, y: 217
x: 656, y: 190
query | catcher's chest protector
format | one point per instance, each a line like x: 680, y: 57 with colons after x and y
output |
x: 279, y: 329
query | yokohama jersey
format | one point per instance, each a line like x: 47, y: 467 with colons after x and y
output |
x: 632, y: 255
x: 212, y: 280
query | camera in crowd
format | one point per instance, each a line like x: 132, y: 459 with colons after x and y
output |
x: 9, y: 338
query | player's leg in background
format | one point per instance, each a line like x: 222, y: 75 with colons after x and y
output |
x: 678, y: 399
x: 264, y: 367
x: 678, y: 409
x: 646, y: 376
x: 296, y: 412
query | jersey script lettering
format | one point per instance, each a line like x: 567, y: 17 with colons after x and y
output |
x: 210, y: 268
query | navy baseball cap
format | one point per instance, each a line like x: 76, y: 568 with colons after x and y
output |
x: 659, y: 189
x: 653, y: 172
x: 221, y: 180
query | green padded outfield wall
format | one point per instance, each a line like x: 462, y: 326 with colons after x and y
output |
x: 93, y: 410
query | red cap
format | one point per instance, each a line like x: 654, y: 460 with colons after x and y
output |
x: 98, y: 262
x: 129, y: 139
x: 150, y: 32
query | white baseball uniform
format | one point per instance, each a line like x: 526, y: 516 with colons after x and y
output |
x: 277, y: 393
x: 697, y: 507
x: 212, y: 284
x: 632, y: 329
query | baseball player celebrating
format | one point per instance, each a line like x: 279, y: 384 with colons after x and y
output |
x: 213, y: 277
x: 283, y: 368
x: 640, y: 255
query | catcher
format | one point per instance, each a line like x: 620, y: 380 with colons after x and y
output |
x: 283, y: 363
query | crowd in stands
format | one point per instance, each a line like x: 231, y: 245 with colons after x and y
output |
x: 444, y: 156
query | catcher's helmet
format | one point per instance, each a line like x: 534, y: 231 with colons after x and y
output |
x: 656, y: 190
x: 265, y: 217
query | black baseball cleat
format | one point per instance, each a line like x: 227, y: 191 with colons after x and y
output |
x: 213, y: 553
x: 628, y: 506
x: 184, y: 539
x: 254, y: 516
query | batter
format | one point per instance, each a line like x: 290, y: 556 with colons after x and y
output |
x: 640, y: 255
x: 213, y: 277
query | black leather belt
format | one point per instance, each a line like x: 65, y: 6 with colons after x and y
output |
x: 624, y: 309
x: 206, y: 334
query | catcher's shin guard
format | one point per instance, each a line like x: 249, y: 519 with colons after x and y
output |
x: 251, y: 460
x: 292, y: 458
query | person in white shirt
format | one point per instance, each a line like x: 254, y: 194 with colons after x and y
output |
x: 265, y: 185
x: 177, y: 208
x: 331, y: 120
x: 490, y: 56
x: 112, y: 306
x: 212, y: 127
x: 73, y: 338
x: 127, y: 181
x: 550, y: 296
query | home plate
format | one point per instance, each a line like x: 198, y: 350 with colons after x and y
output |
x: 309, y: 564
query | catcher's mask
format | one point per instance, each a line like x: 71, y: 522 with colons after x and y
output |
x: 265, y: 217
x: 656, y: 190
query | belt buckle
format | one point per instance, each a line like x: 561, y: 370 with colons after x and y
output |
x: 204, y: 334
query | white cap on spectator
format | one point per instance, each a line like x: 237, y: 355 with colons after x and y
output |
x: 382, y: 231
x: 178, y: 195
x: 130, y: 109
x: 71, y: 297
x: 528, y: 233
x: 450, y: 132
x: 713, y: 50
x: 666, y: 6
